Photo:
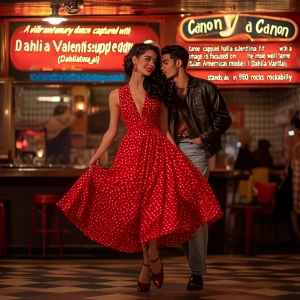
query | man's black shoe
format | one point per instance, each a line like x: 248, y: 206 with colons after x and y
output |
x: 195, y: 283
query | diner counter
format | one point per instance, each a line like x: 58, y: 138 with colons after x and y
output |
x: 75, y: 171
x: 43, y: 171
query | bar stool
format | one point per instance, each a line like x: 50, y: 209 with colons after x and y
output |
x: 44, y: 201
x: 2, y: 226
x: 265, y: 197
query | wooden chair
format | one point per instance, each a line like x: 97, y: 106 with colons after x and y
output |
x: 261, y: 174
x: 244, y: 190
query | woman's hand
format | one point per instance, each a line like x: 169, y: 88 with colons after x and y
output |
x: 93, y: 161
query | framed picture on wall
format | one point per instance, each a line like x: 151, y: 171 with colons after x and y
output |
x: 237, y: 115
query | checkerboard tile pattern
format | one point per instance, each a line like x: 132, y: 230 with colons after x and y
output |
x: 229, y: 277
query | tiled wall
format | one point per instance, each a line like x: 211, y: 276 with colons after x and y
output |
x: 31, y: 113
x: 286, y: 100
x: 262, y: 109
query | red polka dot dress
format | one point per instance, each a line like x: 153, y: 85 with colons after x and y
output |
x: 151, y: 191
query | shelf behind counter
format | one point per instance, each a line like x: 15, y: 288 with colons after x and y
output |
x: 20, y: 183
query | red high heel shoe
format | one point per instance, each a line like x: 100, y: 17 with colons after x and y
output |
x: 158, y: 279
x: 143, y: 287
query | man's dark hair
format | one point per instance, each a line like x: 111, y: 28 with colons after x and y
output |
x: 296, y: 122
x: 176, y: 52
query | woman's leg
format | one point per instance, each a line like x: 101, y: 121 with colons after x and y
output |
x: 145, y: 276
x: 156, y: 265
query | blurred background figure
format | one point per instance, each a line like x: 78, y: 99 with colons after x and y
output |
x: 262, y: 156
x: 58, y: 135
x: 244, y: 160
x: 294, y: 163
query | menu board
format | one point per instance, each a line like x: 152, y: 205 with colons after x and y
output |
x: 241, y: 49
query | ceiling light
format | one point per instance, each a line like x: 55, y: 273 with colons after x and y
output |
x: 148, y: 42
x: 73, y: 7
x: 55, y: 18
x: 48, y: 98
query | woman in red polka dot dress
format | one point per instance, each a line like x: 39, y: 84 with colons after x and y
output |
x: 152, y: 195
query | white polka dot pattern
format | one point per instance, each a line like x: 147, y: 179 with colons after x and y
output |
x: 151, y: 191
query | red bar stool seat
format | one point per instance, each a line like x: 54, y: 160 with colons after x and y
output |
x: 3, y: 200
x: 44, y: 201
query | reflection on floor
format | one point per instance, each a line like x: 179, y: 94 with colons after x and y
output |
x: 229, y: 277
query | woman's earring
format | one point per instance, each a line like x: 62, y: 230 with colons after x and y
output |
x: 134, y: 68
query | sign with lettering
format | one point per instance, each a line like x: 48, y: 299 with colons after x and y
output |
x: 242, y: 49
x: 41, y: 47
x: 238, y: 27
x: 246, y: 77
x: 241, y: 56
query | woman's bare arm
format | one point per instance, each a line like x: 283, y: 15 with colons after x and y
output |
x: 112, y: 131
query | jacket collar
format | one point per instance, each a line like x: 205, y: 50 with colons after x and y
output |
x: 192, y: 81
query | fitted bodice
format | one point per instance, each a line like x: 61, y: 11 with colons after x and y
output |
x: 130, y: 115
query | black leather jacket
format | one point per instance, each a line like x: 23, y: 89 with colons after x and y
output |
x: 208, y: 114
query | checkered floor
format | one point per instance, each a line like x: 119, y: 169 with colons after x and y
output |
x: 229, y: 277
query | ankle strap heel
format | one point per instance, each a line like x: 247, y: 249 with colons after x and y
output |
x: 144, y: 287
x: 157, y: 279
x: 155, y: 259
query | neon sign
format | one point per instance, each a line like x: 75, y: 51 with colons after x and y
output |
x: 238, y: 27
x: 75, y: 47
x: 242, y: 49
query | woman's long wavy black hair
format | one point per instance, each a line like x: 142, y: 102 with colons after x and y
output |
x: 156, y: 85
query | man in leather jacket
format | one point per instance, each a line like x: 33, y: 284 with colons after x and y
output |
x: 197, y: 119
